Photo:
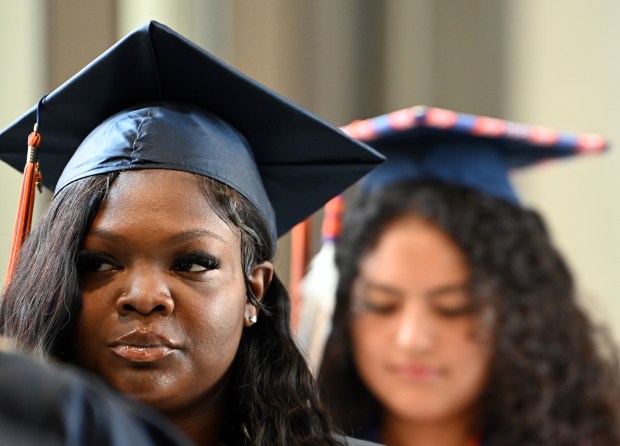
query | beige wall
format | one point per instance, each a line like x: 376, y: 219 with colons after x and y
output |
x: 545, y: 62
x: 564, y: 71
x: 550, y: 63
x: 22, y: 81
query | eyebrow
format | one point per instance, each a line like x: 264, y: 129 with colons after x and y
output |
x: 194, y: 234
x: 177, y: 238
x: 447, y: 289
x: 369, y: 285
x: 435, y: 292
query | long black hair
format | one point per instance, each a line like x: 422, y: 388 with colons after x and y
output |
x: 274, y: 400
x: 554, y: 377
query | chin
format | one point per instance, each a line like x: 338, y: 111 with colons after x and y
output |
x: 142, y: 388
x: 427, y: 411
x: 157, y: 398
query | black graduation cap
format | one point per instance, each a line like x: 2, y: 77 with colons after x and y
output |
x: 469, y: 150
x: 166, y: 103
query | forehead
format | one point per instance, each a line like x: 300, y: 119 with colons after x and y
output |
x: 410, y: 249
x: 159, y: 199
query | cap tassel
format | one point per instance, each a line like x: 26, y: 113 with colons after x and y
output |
x: 300, y: 240
x: 30, y: 180
x: 318, y: 288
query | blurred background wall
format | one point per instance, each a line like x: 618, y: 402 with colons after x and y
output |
x: 552, y: 63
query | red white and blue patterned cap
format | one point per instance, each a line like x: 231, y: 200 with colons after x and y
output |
x: 470, y: 150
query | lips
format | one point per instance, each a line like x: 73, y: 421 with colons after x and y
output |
x: 418, y: 372
x: 143, y: 346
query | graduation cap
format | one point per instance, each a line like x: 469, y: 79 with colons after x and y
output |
x: 469, y: 150
x: 156, y: 100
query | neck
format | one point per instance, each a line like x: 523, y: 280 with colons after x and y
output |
x: 202, y: 422
x: 397, y: 431
x: 201, y: 428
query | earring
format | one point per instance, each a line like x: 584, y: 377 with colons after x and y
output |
x: 252, y: 319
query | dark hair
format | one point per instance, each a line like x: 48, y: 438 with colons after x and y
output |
x: 273, y: 396
x: 550, y: 382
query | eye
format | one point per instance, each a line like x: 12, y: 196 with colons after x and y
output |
x: 378, y: 308
x: 196, y: 262
x: 95, y: 262
x: 463, y: 310
x: 453, y: 303
x: 375, y: 300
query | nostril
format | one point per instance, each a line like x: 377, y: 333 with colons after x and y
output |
x: 129, y: 307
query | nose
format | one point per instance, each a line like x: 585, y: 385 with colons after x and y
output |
x: 415, y: 330
x: 147, y: 293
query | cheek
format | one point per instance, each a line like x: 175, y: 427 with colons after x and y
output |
x: 95, y: 308
x: 215, y: 338
x: 215, y: 323
x: 465, y: 338
x: 368, y: 340
x: 94, y: 318
x: 470, y: 352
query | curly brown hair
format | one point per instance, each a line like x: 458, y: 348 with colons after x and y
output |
x: 554, y: 376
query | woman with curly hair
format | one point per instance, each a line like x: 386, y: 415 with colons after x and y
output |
x: 456, y: 319
x: 153, y: 266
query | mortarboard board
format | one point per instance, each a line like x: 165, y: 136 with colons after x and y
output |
x: 469, y: 150
x: 168, y: 103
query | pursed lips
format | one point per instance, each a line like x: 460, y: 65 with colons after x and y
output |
x: 143, y: 346
x: 417, y: 372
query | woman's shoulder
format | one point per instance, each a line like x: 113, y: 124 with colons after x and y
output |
x: 49, y: 405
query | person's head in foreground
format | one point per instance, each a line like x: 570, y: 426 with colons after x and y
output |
x: 456, y: 320
x: 153, y: 266
x: 44, y: 404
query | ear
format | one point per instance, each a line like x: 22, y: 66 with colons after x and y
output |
x: 258, y: 280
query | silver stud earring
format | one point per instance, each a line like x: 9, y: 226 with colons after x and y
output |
x: 252, y: 319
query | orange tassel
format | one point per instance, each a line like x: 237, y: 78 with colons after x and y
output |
x: 23, y: 221
x: 300, y: 237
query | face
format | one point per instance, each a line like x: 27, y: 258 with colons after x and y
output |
x: 418, y: 345
x: 163, y: 293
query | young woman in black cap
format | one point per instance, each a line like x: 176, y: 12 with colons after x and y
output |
x: 152, y: 267
x: 456, y: 319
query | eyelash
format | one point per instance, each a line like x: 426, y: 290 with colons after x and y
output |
x: 378, y: 309
x: 385, y: 309
x: 92, y: 261
x: 89, y: 261
x: 462, y: 310
x: 185, y: 262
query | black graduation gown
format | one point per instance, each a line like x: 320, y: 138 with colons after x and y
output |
x: 58, y: 406
x: 45, y: 405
